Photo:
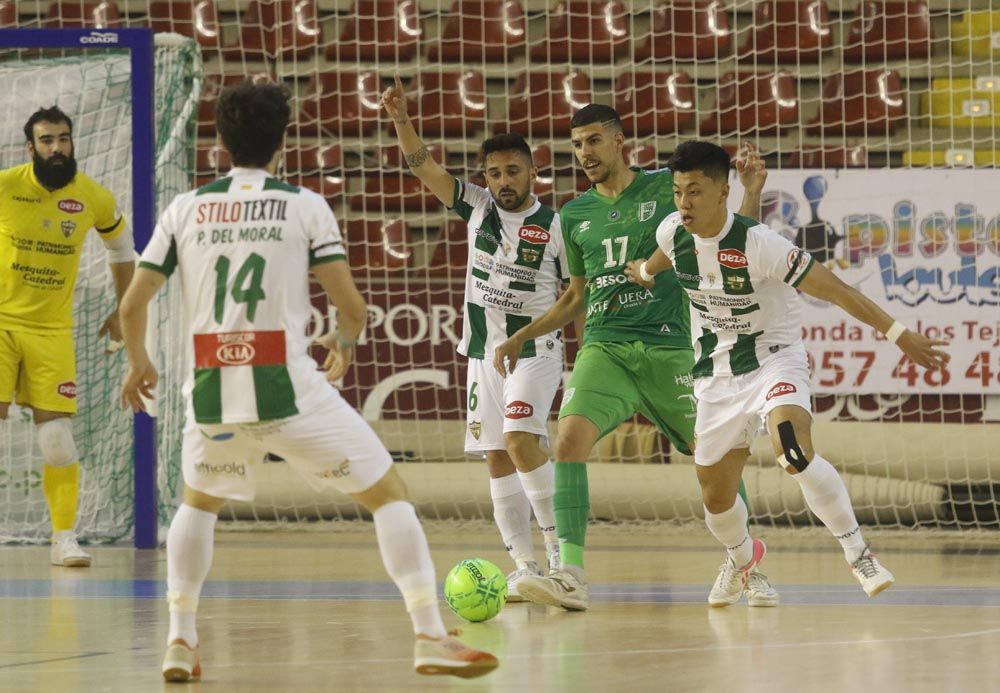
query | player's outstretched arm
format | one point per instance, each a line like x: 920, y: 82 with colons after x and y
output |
x: 643, y: 272
x: 752, y: 173
x: 134, y: 312
x: 565, y: 310
x: 352, y: 313
x: 430, y: 172
x: 824, y: 284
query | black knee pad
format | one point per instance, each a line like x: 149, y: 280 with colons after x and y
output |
x: 793, y: 455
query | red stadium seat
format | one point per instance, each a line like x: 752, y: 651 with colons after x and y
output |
x: 194, y: 18
x: 341, y: 103
x: 687, y: 30
x: 211, y: 163
x: 210, y: 94
x: 449, y: 103
x: 391, y: 158
x: 378, y: 244
x: 481, y: 30
x: 542, y: 103
x: 751, y: 102
x: 655, y: 103
x: 319, y: 168
x: 589, y: 31
x: 395, y: 190
x: 865, y: 102
x: 888, y: 31
x: 8, y: 14
x: 277, y: 28
x: 379, y: 30
x: 788, y: 32
x: 451, y: 253
x: 644, y: 156
x: 829, y: 157
x: 87, y: 15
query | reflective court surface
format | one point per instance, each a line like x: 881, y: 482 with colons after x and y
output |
x: 315, y: 611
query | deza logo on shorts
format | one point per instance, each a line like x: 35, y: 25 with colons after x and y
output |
x: 70, y: 206
x: 518, y: 410
x: 67, y: 389
x: 733, y: 259
x: 534, y: 234
x: 780, y: 389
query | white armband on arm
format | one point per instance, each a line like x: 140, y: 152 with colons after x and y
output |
x: 121, y: 248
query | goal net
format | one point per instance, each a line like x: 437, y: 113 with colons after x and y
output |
x: 94, y: 87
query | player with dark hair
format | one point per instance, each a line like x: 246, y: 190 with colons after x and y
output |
x: 637, y: 353
x: 244, y: 247
x: 47, y: 207
x: 750, y: 362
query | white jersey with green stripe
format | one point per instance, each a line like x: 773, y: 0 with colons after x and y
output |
x: 517, y: 264
x: 242, y: 246
x: 740, y: 283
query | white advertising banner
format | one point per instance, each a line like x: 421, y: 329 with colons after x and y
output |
x: 924, y: 245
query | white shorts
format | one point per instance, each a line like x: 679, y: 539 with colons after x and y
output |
x: 519, y: 402
x: 732, y: 409
x: 329, y: 445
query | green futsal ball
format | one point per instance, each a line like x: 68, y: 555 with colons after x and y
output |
x: 475, y: 589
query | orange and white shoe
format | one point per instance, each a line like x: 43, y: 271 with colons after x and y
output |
x: 181, y: 663
x: 448, y: 657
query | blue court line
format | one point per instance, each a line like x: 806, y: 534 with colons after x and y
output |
x: 342, y: 590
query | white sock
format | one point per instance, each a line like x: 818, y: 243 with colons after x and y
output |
x: 512, y: 513
x: 826, y: 495
x: 189, y: 558
x: 730, y: 527
x: 407, y: 559
x: 539, y: 486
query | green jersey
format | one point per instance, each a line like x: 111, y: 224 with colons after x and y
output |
x: 602, y: 235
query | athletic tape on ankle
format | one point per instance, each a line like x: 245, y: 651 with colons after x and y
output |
x: 417, y: 597
x: 182, y: 602
x: 895, y: 332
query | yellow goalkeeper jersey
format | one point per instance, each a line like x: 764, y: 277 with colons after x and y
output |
x: 41, y: 238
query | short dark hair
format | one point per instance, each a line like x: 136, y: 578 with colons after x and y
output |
x: 698, y: 155
x: 52, y: 114
x: 507, y: 142
x: 252, y: 119
x: 596, y: 113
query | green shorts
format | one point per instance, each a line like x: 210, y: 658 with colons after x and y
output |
x: 611, y: 381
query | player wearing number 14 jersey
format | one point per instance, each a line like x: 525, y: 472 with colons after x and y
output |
x: 740, y: 277
x: 244, y: 247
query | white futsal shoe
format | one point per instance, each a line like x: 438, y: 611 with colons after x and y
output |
x: 759, y: 590
x: 181, y: 663
x: 732, y: 581
x: 529, y: 569
x: 559, y: 588
x: 448, y: 657
x: 66, y: 551
x: 873, y: 576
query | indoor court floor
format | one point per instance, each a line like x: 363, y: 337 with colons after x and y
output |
x: 314, y: 611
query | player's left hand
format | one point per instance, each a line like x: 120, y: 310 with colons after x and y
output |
x: 922, y: 351
x: 750, y: 168
x: 139, y: 382
x: 113, y: 329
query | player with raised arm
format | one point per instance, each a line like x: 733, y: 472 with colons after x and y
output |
x: 244, y: 247
x: 47, y: 207
x: 637, y: 353
x: 516, y: 269
x: 740, y: 277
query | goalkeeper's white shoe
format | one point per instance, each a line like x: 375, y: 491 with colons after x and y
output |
x: 448, y: 657
x: 873, y: 576
x: 558, y: 588
x: 181, y: 663
x: 514, y: 580
x: 66, y: 551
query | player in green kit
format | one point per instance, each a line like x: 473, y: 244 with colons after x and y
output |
x: 637, y: 354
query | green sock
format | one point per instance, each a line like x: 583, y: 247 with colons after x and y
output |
x: 571, y: 503
x: 742, y: 491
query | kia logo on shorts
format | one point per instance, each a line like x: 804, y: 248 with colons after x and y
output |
x: 781, y: 389
x: 733, y: 259
x: 518, y: 410
x: 67, y: 389
x: 236, y: 354
x: 70, y: 206
x: 534, y: 234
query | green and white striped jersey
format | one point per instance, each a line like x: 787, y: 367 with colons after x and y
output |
x: 517, y: 264
x: 740, y: 285
x: 243, y: 246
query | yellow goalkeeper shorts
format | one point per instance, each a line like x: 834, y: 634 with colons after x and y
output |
x: 40, y: 369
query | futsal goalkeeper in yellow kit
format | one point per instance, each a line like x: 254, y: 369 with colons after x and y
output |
x: 47, y: 207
